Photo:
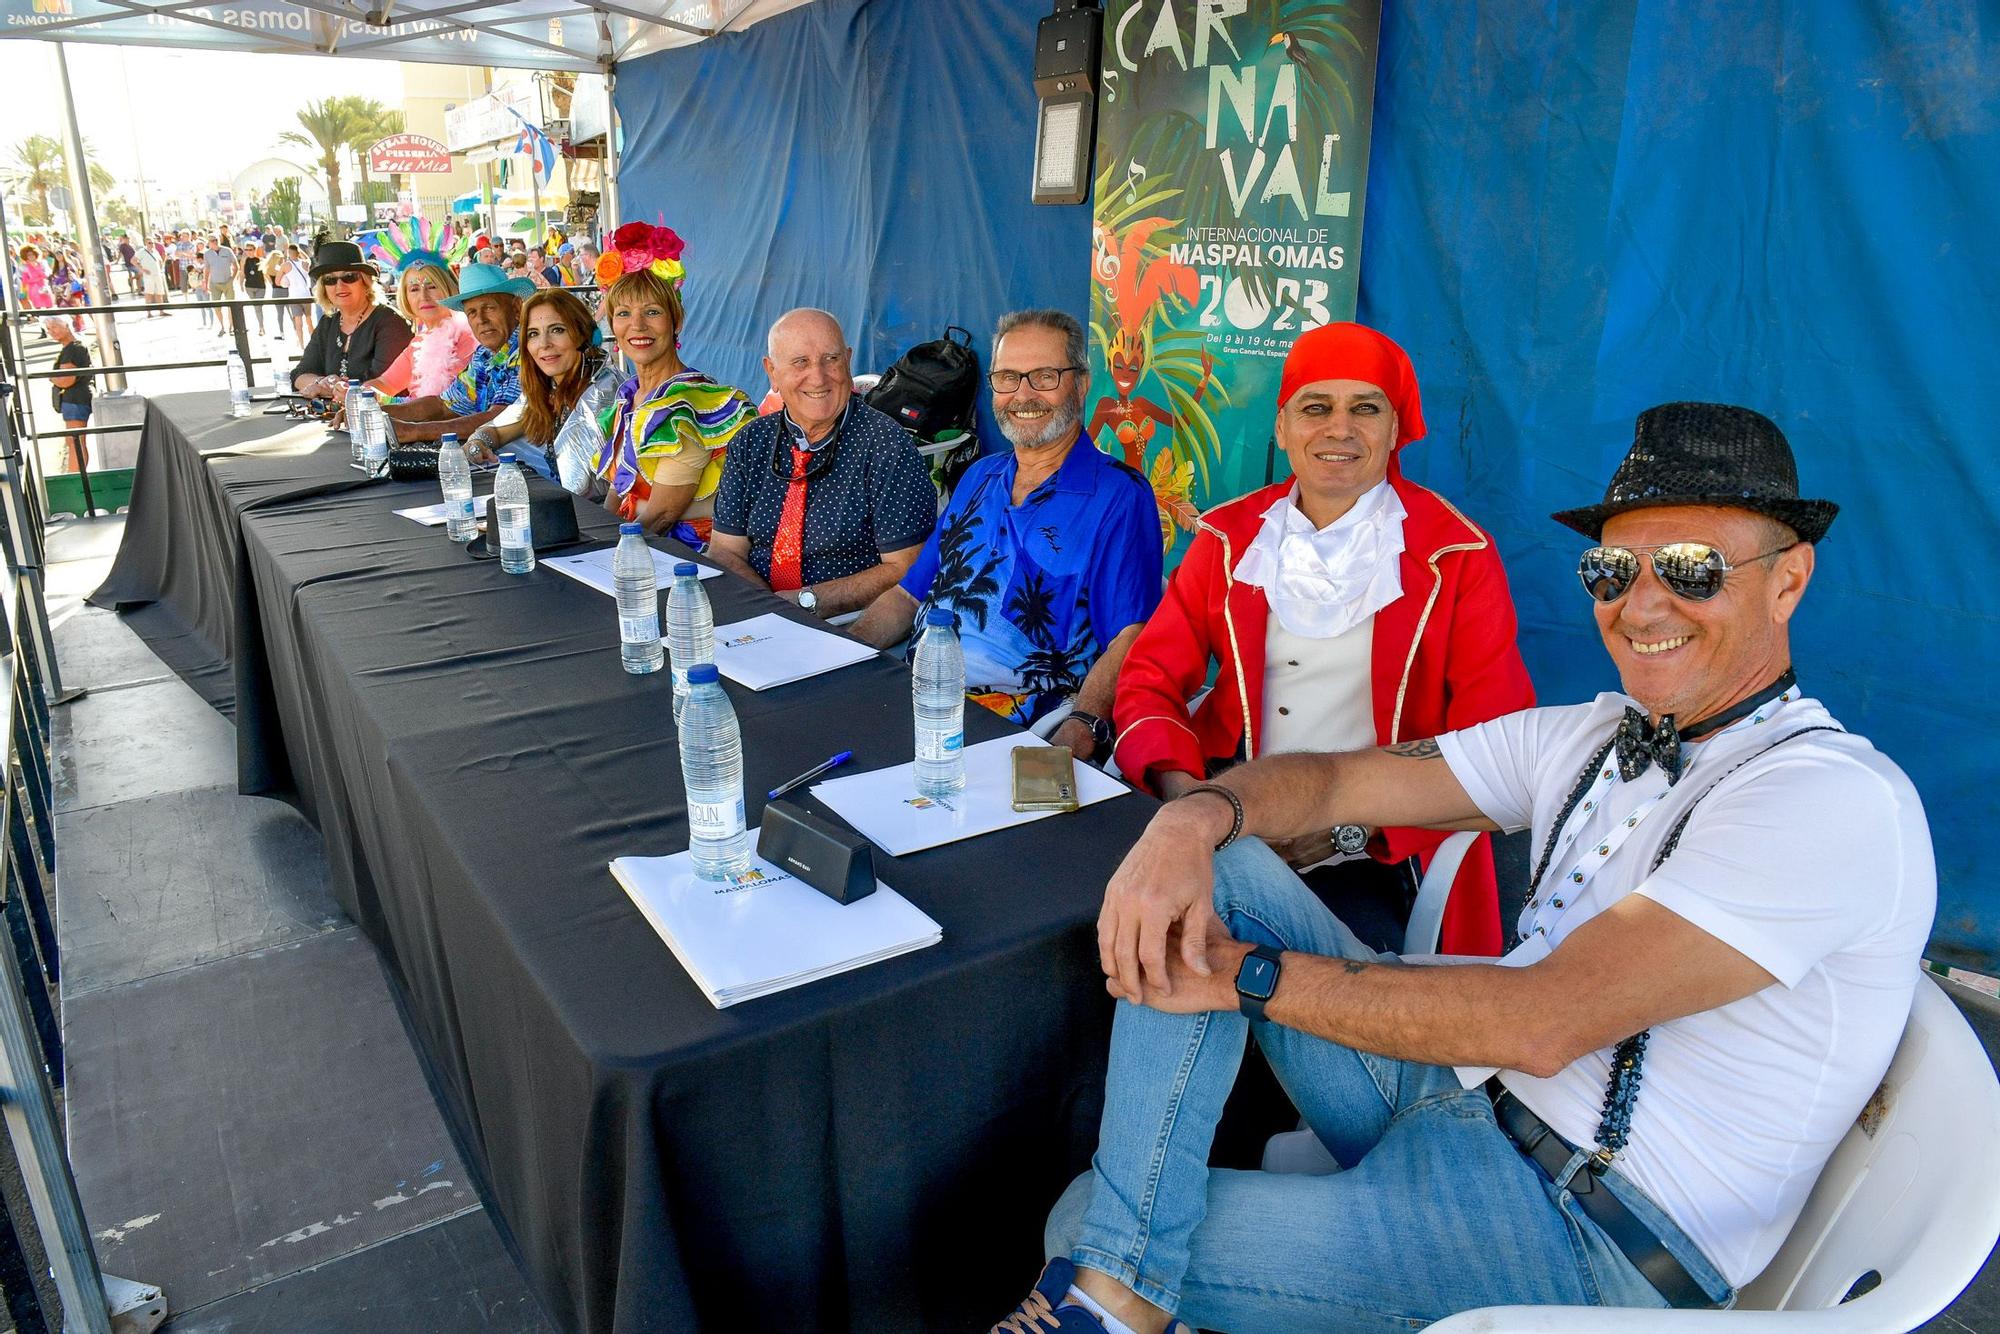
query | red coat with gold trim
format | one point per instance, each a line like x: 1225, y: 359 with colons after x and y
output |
x: 1444, y: 657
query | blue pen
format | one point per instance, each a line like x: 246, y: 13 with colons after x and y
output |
x: 809, y: 775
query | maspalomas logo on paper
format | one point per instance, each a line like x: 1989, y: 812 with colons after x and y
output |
x: 1232, y: 157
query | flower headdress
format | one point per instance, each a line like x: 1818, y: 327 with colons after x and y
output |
x: 412, y: 241
x: 641, y: 245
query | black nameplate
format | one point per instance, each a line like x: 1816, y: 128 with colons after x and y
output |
x: 837, y: 863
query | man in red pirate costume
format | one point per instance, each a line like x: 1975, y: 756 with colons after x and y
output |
x: 1345, y: 608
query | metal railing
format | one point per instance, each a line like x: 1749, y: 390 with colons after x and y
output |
x: 31, y: 1044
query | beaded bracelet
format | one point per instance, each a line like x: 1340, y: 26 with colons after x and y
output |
x: 1235, y: 805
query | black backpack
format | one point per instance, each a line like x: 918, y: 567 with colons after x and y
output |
x: 932, y: 387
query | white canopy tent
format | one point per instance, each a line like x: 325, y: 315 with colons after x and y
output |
x: 514, y: 34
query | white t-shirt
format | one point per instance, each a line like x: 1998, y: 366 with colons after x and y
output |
x: 1814, y: 861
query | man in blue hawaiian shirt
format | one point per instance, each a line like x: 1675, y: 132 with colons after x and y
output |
x: 492, y: 382
x: 1050, y: 555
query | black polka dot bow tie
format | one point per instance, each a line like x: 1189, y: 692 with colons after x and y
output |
x: 1641, y: 744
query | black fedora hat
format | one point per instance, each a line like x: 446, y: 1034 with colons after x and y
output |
x: 551, y: 522
x: 1707, y: 454
x: 338, y: 257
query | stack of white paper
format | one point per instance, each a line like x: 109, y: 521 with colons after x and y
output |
x: 594, y: 568
x: 769, y: 650
x: 430, y: 516
x: 885, y: 807
x: 766, y: 931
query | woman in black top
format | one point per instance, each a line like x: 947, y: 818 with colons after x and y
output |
x: 358, y: 339
x: 71, y: 392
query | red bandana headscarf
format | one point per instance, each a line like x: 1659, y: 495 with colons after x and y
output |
x: 1357, y: 352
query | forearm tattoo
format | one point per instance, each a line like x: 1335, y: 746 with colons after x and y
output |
x: 1427, y: 749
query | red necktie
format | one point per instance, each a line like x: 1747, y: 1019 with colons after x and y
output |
x: 787, y: 548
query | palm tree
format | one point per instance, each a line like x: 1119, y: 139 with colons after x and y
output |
x: 964, y: 583
x: 41, y: 165
x: 38, y: 169
x: 372, y: 121
x: 329, y: 125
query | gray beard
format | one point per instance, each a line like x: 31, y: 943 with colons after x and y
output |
x: 1061, y: 425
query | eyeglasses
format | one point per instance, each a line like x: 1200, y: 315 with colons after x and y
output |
x: 1043, y: 378
x: 1690, y: 570
x: 342, y: 279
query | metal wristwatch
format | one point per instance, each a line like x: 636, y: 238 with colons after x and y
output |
x: 1101, y: 735
x: 1349, y: 839
x: 809, y: 600
x: 1256, y: 980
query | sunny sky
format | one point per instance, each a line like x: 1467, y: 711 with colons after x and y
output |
x: 195, y: 117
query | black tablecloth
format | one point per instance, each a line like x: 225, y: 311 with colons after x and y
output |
x: 875, y: 1151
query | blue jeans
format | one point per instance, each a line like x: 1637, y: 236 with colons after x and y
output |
x: 1434, y: 1212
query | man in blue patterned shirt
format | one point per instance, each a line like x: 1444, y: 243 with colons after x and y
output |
x: 1050, y: 554
x: 492, y: 382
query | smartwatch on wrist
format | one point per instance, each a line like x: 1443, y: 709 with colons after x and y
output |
x: 1256, y: 980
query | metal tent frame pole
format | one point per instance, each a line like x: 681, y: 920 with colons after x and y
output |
x: 97, y: 275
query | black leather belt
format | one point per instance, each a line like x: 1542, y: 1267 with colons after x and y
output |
x: 1551, y: 1152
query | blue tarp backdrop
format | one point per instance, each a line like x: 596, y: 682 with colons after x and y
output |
x: 1573, y: 212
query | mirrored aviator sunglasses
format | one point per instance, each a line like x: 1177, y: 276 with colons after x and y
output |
x: 1690, y: 570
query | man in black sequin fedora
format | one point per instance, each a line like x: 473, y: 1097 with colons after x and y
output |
x: 1713, y: 968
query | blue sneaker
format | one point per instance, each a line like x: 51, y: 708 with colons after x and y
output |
x: 1044, y: 1313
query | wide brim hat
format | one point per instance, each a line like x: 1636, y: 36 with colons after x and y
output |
x: 339, y: 257
x: 1707, y: 454
x: 551, y: 522
x: 487, y: 280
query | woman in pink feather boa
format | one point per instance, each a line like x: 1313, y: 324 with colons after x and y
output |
x: 443, y: 345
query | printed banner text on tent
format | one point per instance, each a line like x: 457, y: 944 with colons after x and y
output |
x: 1232, y: 156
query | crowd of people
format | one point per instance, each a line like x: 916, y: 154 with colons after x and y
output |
x: 1729, y: 892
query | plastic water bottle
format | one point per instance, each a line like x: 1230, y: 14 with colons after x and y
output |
x: 712, y: 768
x: 638, y: 602
x: 510, y: 501
x: 375, y: 439
x: 239, y: 385
x: 455, y: 480
x: 351, y: 402
x: 690, y: 629
x: 939, y: 691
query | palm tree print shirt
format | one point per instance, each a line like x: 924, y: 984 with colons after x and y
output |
x: 1041, y: 587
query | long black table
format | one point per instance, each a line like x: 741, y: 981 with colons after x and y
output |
x: 876, y: 1151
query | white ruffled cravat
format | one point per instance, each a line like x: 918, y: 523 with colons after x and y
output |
x: 1324, y: 582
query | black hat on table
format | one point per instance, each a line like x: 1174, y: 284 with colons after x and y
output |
x: 551, y: 521
x: 1707, y: 454
x: 339, y: 257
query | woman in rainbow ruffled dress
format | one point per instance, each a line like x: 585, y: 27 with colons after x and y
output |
x: 668, y: 429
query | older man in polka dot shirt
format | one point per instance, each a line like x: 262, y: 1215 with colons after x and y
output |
x: 828, y: 502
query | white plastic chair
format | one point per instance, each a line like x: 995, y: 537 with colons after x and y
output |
x: 1912, y: 1193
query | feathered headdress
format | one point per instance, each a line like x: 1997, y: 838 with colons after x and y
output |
x: 411, y: 241
x: 641, y: 245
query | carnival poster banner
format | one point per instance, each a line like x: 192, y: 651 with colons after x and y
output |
x: 1232, y: 157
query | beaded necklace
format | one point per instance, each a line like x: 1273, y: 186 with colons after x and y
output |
x: 1621, y: 1090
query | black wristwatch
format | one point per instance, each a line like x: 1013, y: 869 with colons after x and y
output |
x: 1256, y: 980
x: 1101, y: 735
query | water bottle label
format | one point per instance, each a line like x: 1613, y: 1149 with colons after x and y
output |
x: 934, y: 745
x: 715, y: 819
x: 461, y: 510
x: 680, y: 680
x: 517, y: 534
x: 639, y: 629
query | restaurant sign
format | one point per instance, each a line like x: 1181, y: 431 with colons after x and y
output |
x: 408, y: 154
